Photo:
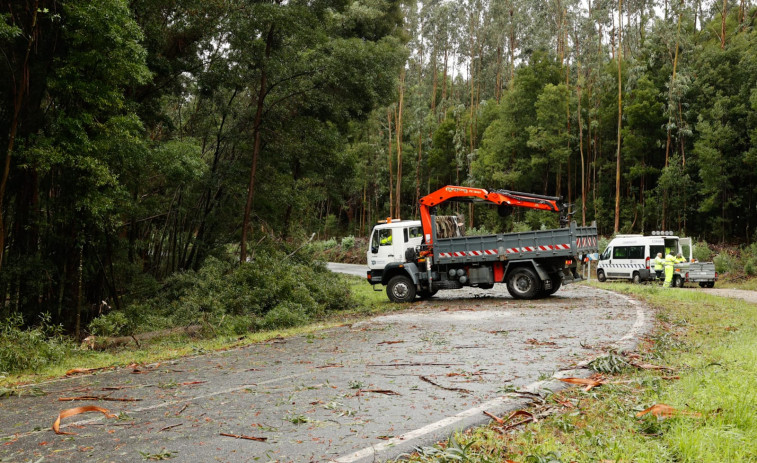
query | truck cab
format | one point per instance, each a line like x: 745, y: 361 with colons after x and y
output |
x: 388, y: 244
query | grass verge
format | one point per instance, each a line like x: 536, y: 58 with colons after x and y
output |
x: 369, y: 303
x: 709, y: 342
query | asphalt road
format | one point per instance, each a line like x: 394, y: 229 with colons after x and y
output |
x: 361, y: 392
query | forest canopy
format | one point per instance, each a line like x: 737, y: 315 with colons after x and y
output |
x: 141, y: 139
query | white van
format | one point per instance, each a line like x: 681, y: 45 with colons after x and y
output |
x: 631, y: 257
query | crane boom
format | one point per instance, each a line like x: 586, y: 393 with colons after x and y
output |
x: 498, y: 197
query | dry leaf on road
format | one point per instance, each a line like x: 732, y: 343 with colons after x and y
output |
x: 76, y: 411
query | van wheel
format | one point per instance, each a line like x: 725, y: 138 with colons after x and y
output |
x: 601, y: 276
x: 523, y: 284
x: 401, y: 289
x: 636, y: 278
x: 678, y: 282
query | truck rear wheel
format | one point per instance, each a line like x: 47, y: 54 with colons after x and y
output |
x: 523, y: 284
x: 556, y: 284
x: 400, y: 289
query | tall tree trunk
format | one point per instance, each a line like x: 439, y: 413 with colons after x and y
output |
x: 399, y: 132
x: 444, y: 76
x: 391, y: 163
x: 418, y: 174
x: 723, y: 16
x: 434, y: 85
x: 262, y: 91
x: 20, y: 90
x: 498, y: 80
x: 620, y: 116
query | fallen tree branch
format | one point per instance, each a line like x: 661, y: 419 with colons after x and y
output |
x: 457, y: 389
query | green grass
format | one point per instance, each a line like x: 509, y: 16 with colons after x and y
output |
x: 369, y: 303
x: 749, y: 284
x: 712, y: 344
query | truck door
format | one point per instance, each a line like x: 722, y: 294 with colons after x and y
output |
x: 382, y: 251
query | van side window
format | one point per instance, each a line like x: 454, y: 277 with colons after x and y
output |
x: 655, y: 249
x: 620, y: 252
x: 635, y: 252
x: 606, y: 254
x: 628, y: 252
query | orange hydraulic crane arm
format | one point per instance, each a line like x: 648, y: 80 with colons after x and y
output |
x: 498, y: 197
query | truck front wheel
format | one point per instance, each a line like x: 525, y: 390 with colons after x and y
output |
x: 523, y: 284
x: 400, y: 289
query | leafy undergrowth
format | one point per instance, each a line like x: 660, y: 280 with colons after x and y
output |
x: 709, y: 345
x: 34, y: 355
x: 350, y: 250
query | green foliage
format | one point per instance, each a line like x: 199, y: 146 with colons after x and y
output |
x: 724, y: 263
x: 27, y: 349
x: 348, y: 242
x: 271, y: 291
x: 111, y: 324
x: 702, y: 251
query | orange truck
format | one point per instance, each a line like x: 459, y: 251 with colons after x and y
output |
x: 418, y: 258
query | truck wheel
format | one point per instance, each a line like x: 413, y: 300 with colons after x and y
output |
x: 636, y: 278
x: 710, y: 284
x: 556, y: 284
x: 400, y: 289
x: 523, y: 284
x: 601, y: 276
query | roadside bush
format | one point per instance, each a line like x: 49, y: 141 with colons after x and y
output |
x: 348, y: 242
x: 750, y: 267
x: 473, y: 231
x: 328, y: 244
x: 285, y: 315
x: 111, y: 324
x: 275, y: 289
x: 520, y: 227
x: 724, y: 263
x: 28, y: 349
x: 702, y: 252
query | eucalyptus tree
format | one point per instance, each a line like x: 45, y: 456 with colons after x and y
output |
x: 67, y: 131
x: 328, y: 61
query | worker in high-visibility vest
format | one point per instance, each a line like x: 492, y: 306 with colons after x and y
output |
x: 680, y: 259
x: 659, y: 263
x: 670, y: 262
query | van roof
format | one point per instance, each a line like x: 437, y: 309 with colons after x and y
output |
x: 641, y: 239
